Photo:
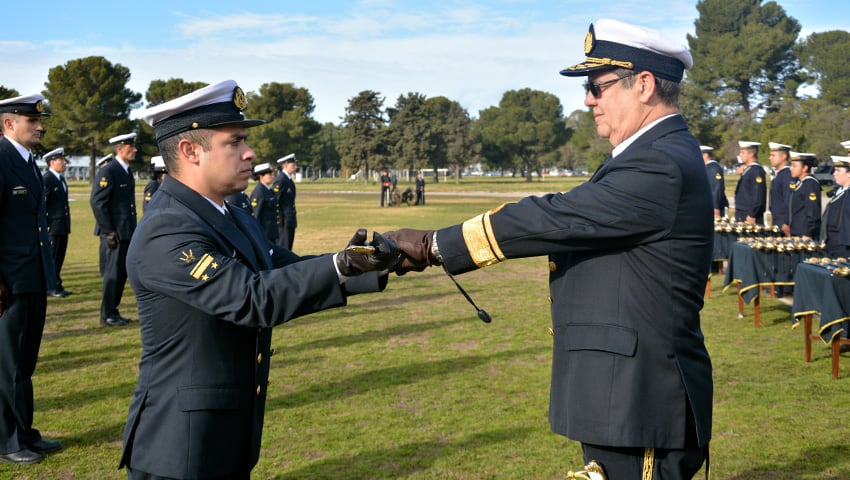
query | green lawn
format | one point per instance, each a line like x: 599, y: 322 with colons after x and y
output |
x: 410, y: 384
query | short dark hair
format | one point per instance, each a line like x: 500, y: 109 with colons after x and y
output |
x: 168, y: 146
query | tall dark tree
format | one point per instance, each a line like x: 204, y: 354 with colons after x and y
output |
x: 585, y: 149
x: 289, y: 127
x: 325, y: 152
x: 8, y: 92
x: 409, y: 132
x: 161, y: 91
x: 89, y: 103
x: 454, y: 143
x: 743, y: 52
x: 826, y: 57
x: 527, y: 125
x: 364, y: 141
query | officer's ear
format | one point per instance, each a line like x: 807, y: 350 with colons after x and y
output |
x: 189, y: 150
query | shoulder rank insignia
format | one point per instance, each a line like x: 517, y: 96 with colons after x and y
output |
x: 759, y: 179
x: 199, y: 271
x: 103, y: 183
x: 812, y: 196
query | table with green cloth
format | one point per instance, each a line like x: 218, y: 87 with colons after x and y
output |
x: 757, y: 263
x: 823, y: 290
x: 820, y: 292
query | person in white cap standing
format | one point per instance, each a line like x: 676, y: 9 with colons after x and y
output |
x: 714, y: 171
x: 781, y: 186
x: 629, y: 255
x: 284, y: 189
x: 835, y: 226
x: 208, y: 305
x: 113, y: 202
x: 157, y: 173
x: 804, y: 207
x: 751, y: 190
x: 58, y: 213
x: 26, y: 274
x: 264, y: 201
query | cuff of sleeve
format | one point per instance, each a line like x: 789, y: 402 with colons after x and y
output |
x: 342, y: 278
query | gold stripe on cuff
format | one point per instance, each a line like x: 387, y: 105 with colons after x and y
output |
x: 481, y: 242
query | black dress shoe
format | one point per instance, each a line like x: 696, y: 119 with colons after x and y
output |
x: 21, y: 457
x: 125, y: 319
x: 112, y: 322
x: 45, y: 446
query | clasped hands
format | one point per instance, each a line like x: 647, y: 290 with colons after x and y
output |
x: 400, y: 251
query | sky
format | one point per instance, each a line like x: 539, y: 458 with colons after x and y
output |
x: 466, y: 50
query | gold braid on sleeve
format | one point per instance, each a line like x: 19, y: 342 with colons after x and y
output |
x: 481, y: 241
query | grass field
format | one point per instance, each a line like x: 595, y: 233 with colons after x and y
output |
x: 409, y: 384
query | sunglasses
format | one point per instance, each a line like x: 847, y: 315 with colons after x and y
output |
x: 595, y: 89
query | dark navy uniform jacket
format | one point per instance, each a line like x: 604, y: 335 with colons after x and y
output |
x: 26, y: 264
x: 241, y: 200
x: 284, y: 188
x: 805, y: 208
x: 836, y: 225
x: 56, y: 204
x: 113, y: 201
x: 751, y: 194
x: 264, y: 209
x: 206, y: 309
x: 629, y: 256
x: 780, y: 195
x: 717, y: 184
x: 150, y: 189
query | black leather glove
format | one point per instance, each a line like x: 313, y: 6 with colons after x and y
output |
x: 5, y: 297
x: 352, y: 262
x: 112, y: 240
x: 415, y: 247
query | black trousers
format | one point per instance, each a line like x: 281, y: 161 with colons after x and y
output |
x: 286, y: 235
x: 21, y: 326
x: 138, y: 475
x: 114, y: 277
x: 58, y: 248
x: 631, y: 463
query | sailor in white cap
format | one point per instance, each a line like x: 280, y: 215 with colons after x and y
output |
x: 206, y: 307
x: 104, y: 160
x: 58, y: 213
x: 714, y: 171
x: 264, y: 201
x: 804, y: 207
x: 284, y: 188
x: 639, y: 402
x: 113, y: 202
x: 751, y: 189
x: 781, y: 185
x: 157, y: 172
x: 26, y: 274
x: 835, y: 223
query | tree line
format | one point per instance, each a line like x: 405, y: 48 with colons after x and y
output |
x: 753, y: 79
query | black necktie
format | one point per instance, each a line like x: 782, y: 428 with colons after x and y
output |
x: 32, y: 165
